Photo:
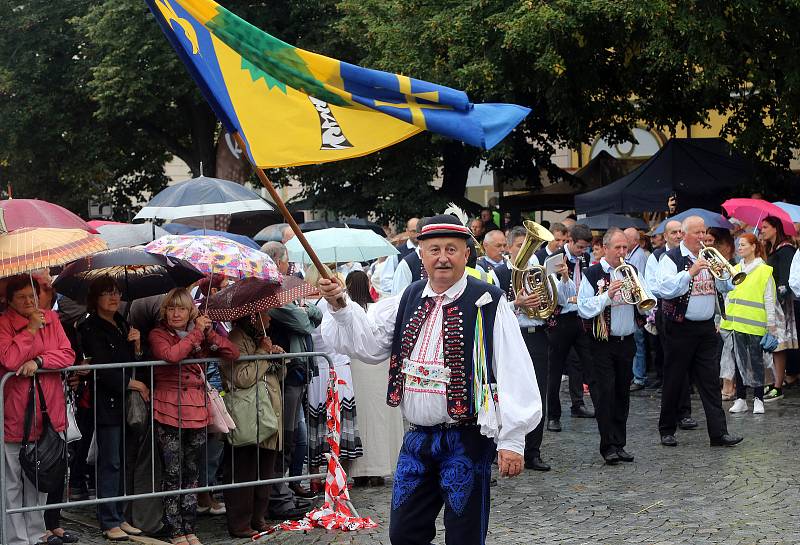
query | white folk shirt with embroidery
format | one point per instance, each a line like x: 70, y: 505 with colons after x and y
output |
x: 368, y: 337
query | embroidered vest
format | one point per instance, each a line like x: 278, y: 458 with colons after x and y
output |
x: 593, y: 275
x: 458, y: 323
x: 485, y: 264
x: 414, y: 263
x: 675, y: 309
x: 404, y: 250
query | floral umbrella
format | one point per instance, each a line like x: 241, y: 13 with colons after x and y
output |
x: 251, y: 296
x: 25, y: 250
x: 216, y: 255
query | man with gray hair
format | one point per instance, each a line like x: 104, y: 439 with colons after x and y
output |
x: 690, y: 298
x: 277, y: 251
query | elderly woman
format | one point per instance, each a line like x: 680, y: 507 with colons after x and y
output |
x: 246, y: 508
x: 30, y: 339
x: 180, y: 403
x: 107, y: 338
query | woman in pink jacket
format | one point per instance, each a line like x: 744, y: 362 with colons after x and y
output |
x: 180, y: 403
x: 30, y: 339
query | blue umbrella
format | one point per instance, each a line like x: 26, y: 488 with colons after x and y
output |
x: 792, y: 209
x: 241, y: 239
x: 177, y: 228
x: 712, y: 219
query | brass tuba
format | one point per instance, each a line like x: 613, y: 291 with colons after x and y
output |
x: 719, y: 267
x: 633, y: 293
x: 534, y: 279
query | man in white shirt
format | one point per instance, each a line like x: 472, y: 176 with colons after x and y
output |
x: 611, y: 324
x: 689, y: 299
x: 637, y: 257
x: 455, y: 391
x: 391, y: 263
x: 494, y: 248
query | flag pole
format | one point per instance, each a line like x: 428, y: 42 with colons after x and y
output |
x: 265, y: 181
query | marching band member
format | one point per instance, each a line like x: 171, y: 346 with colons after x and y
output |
x: 610, y: 324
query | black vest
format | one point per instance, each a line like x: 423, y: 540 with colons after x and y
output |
x: 458, y: 337
x: 593, y: 275
x: 404, y: 250
x: 503, y: 274
x: 414, y: 263
x: 541, y: 254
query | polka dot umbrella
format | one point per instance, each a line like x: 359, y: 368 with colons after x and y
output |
x: 253, y: 295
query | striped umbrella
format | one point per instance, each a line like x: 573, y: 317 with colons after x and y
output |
x: 25, y: 250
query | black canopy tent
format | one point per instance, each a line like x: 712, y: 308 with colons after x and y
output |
x: 700, y: 171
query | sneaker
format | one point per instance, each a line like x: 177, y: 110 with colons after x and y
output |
x: 758, y: 406
x: 773, y: 395
x: 739, y: 406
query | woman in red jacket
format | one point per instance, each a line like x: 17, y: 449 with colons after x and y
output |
x: 180, y: 403
x: 30, y: 339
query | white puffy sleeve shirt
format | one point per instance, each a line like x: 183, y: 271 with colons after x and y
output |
x: 368, y: 335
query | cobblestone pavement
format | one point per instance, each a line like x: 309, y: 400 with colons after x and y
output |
x: 694, y: 493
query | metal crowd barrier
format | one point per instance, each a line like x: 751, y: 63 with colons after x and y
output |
x: 154, y: 493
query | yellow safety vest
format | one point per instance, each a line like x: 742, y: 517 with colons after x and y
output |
x: 745, y: 309
x: 480, y: 275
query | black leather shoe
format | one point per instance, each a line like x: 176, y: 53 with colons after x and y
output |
x: 536, y: 464
x: 289, y: 514
x: 687, y: 423
x: 635, y: 387
x: 726, y: 440
x: 655, y: 384
x: 624, y: 456
x: 582, y: 412
x: 669, y: 441
x: 612, y: 458
x: 554, y: 425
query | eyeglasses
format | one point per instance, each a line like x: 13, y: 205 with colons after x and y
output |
x: 114, y: 293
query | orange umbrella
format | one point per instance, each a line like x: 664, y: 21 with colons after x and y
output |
x: 25, y: 250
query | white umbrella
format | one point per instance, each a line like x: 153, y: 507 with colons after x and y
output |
x: 127, y: 235
x: 341, y: 246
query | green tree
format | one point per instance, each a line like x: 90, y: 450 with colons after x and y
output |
x: 51, y: 146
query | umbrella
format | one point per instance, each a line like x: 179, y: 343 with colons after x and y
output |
x: 752, y: 211
x: 271, y: 233
x: 712, y: 219
x: 202, y: 197
x: 252, y: 295
x: 25, y: 250
x: 20, y: 213
x: 358, y: 223
x: 138, y: 273
x: 318, y: 225
x: 241, y: 239
x: 603, y: 222
x: 125, y: 235
x: 178, y: 228
x: 792, y: 209
x: 217, y: 255
x: 341, y: 246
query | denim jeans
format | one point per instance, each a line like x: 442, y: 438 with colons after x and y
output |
x: 210, y: 459
x: 110, y: 475
x: 640, y: 359
x: 300, y: 445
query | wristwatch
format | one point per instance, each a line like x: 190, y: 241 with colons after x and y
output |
x: 39, y: 362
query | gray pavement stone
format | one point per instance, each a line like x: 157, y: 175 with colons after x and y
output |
x: 693, y: 493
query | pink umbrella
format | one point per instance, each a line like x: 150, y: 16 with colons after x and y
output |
x: 753, y: 212
x: 28, y: 213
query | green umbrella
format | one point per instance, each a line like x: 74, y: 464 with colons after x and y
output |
x: 341, y: 246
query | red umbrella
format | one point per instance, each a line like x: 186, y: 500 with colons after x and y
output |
x: 26, y: 213
x: 753, y: 211
x: 252, y: 295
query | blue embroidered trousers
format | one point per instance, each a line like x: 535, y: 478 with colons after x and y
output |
x: 442, y: 467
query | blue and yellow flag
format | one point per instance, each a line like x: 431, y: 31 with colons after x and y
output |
x: 294, y: 107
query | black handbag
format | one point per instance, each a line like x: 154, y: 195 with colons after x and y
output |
x: 44, y: 462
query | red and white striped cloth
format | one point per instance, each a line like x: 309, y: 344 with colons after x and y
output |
x: 335, y: 512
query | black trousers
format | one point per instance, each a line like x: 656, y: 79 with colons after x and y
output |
x: 536, y: 342
x: 442, y: 467
x: 685, y: 404
x: 562, y: 338
x: 610, y: 374
x: 691, y: 347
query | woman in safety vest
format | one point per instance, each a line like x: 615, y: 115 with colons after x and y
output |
x: 750, y: 317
